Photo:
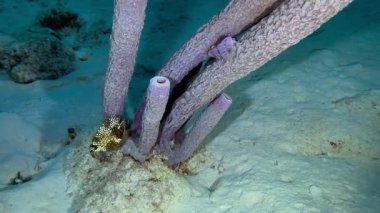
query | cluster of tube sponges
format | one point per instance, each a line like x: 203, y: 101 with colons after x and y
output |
x: 262, y: 28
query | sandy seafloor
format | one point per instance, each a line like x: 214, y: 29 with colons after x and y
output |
x: 302, y: 135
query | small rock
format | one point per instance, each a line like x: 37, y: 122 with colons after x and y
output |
x: 315, y: 191
x: 286, y: 178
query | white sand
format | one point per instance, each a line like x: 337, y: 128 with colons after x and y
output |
x: 302, y: 135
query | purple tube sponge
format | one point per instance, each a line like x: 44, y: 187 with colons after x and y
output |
x: 157, y: 97
x: 202, y: 127
x: 128, y: 22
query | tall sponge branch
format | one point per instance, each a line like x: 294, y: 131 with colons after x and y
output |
x: 127, y: 25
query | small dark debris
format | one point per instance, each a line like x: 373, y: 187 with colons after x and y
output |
x: 338, y: 145
x: 333, y: 145
x: 214, y: 185
x: 153, y: 179
x: 71, y: 133
x: 19, y: 179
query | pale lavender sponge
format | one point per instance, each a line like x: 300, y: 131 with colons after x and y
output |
x: 222, y: 49
x: 157, y: 97
x: 286, y: 25
x: 128, y: 22
x: 202, y: 127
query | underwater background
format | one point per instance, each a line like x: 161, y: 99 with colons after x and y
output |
x: 302, y: 134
